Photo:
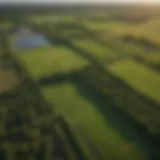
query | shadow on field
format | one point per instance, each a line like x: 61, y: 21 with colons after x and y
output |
x: 57, y: 79
x: 117, y: 119
x: 113, y: 115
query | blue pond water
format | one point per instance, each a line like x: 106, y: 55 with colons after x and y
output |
x: 27, y: 42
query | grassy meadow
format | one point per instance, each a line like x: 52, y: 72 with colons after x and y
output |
x: 47, y: 61
x: 86, y: 120
x: 138, y: 76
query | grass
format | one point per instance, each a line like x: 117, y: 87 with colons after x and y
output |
x: 149, y: 30
x: 42, y: 19
x: 6, y: 25
x: 138, y: 76
x: 83, y: 117
x: 132, y: 49
x: 72, y: 32
x: 118, y: 28
x: 49, y: 18
x: 51, y: 60
x: 153, y: 58
x: 96, y: 50
x: 67, y: 18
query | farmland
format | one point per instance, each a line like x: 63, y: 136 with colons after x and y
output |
x: 91, y: 93
x: 127, y: 69
x: 40, y: 65
x: 99, y: 134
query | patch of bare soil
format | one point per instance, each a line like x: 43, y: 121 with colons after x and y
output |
x: 9, y: 80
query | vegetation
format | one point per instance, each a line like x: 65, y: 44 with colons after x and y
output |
x: 71, y: 105
x: 127, y: 70
x: 48, y: 61
x: 153, y: 58
x: 91, y: 94
x: 142, y: 109
x: 98, y: 51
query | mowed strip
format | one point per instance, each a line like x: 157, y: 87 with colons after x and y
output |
x: 89, y: 125
x: 100, y: 52
x: 138, y: 76
x: 48, y: 61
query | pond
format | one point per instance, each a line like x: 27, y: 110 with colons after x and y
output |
x: 25, y: 38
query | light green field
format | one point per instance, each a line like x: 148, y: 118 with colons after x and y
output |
x: 48, y: 18
x: 6, y: 25
x: 86, y: 120
x: 123, y: 48
x: 139, y: 77
x: 153, y: 58
x: 70, y: 32
x: 100, y: 52
x: 131, y: 48
x: 118, y: 28
x: 51, y: 60
x: 96, y: 50
x: 149, y: 30
x: 67, y: 18
x: 42, y: 19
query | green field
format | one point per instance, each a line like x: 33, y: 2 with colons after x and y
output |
x: 72, y: 32
x: 153, y: 58
x: 48, y: 61
x: 85, y: 119
x: 138, y: 76
x: 111, y: 40
x: 6, y: 25
x: 118, y: 28
x: 147, y: 30
x: 98, y: 51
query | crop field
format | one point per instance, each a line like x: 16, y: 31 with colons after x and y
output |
x: 6, y: 25
x: 47, y: 61
x: 81, y: 113
x: 148, y: 30
x: 72, y: 33
x: 118, y: 28
x: 96, y: 50
x: 153, y: 58
x: 146, y: 81
x: 91, y: 93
